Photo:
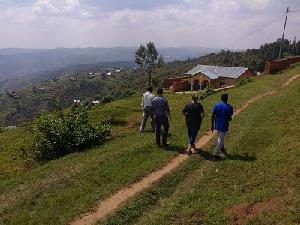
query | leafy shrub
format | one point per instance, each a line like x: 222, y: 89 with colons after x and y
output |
x: 64, y: 132
x: 107, y: 99
x: 244, y: 81
x: 207, y: 91
x: 87, y: 103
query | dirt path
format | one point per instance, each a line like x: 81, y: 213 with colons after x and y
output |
x: 108, y: 205
x: 291, y: 80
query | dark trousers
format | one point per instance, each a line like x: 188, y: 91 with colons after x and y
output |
x: 161, y: 120
x: 192, y: 133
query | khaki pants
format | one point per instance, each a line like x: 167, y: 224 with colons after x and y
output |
x: 220, y: 142
x: 147, y: 112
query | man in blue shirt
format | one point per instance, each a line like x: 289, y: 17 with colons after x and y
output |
x: 222, y: 114
x: 161, y: 113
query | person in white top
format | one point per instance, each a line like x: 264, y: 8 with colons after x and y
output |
x: 147, y: 109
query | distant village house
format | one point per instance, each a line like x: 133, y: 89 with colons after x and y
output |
x: 202, y: 75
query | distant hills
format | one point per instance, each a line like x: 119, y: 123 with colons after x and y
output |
x: 20, y: 62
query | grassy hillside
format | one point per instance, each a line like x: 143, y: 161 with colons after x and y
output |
x: 262, y: 172
x: 58, y: 191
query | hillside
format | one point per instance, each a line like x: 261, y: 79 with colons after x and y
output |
x: 43, y: 60
x: 197, y: 192
x: 74, y: 82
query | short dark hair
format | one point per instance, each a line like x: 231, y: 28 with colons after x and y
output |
x: 160, y: 91
x: 150, y: 89
x: 224, y: 97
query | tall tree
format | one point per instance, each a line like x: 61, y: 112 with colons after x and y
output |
x: 146, y: 58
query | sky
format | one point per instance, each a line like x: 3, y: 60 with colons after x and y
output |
x: 128, y: 23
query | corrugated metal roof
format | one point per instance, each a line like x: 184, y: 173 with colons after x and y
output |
x: 213, y: 72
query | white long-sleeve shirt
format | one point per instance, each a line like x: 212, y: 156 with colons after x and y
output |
x: 147, y: 99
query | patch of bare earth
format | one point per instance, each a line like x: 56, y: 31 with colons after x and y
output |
x: 241, y: 213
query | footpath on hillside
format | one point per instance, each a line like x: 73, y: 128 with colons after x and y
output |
x: 110, y: 204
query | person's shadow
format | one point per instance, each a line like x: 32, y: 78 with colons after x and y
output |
x: 175, y: 148
x: 210, y: 157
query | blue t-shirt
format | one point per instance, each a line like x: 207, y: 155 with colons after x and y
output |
x: 223, y: 112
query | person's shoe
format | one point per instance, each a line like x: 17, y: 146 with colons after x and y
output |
x: 217, y: 158
x: 189, y: 150
x: 165, y: 145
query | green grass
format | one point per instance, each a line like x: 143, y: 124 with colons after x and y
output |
x: 58, y: 191
x: 264, y: 145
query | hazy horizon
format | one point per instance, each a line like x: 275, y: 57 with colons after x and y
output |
x: 219, y: 24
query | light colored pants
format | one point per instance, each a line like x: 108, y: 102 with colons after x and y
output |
x: 220, y: 142
x: 147, y: 112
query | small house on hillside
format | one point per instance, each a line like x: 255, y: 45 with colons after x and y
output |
x: 202, y: 75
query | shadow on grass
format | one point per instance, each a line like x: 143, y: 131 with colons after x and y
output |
x: 175, y: 148
x: 210, y: 157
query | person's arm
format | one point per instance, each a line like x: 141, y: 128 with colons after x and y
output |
x: 142, y: 104
x: 202, y: 115
x: 230, y: 113
x: 168, y: 110
x: 213, y: 117
x: 213, y: 122
x: 184, y: 110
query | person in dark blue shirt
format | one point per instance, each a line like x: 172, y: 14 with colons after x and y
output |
x: 161, y: 113
x: 194, y: 114
x: 222, y: 114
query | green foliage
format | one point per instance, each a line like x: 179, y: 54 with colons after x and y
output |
x: 255, y: 59
x: 244, y: 81
x: 61, y: 133
x: 146, y: 58
x: 207, y: 91
x: 87, y: 103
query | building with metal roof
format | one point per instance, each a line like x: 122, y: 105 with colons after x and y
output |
x: 202, y: 75
x: 214, y: 72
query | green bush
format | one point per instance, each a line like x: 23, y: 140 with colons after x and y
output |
x: 64, y: 132
x: 207, y: 91
x: 244, y: 81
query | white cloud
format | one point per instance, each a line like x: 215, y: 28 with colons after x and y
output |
x: 70, y: 23
x: 55, y: 6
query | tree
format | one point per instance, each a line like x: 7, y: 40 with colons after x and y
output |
x: 146, y: 58
x: 160, y: 61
